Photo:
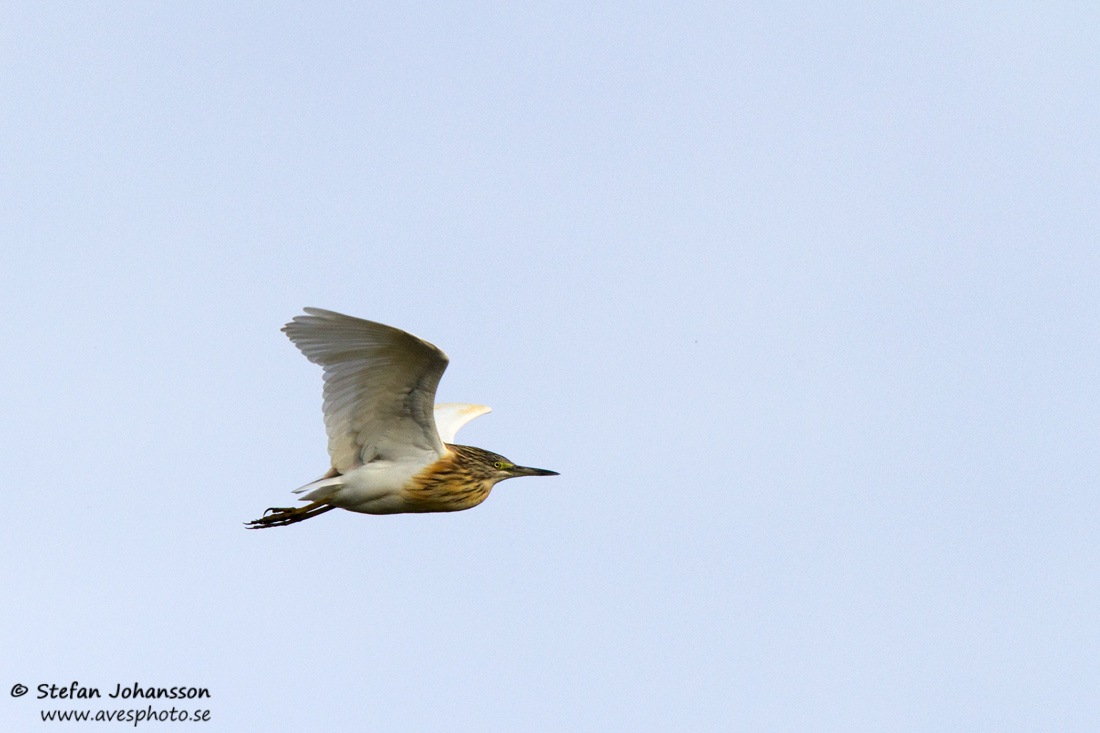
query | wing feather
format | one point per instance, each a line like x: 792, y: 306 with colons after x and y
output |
x: 379, y: 389
x: 450, y: 416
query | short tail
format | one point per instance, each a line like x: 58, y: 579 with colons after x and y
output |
x: 322, y: 488
x: 278, y: 517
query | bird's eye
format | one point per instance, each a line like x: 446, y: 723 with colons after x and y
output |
x: 498, y: 464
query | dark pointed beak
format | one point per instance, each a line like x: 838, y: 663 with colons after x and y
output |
x: 525, y: 471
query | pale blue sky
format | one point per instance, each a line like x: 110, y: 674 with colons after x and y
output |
x: 802, y: 301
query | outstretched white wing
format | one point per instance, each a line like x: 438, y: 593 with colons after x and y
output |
x: 450, y: 416
x: 379, y: 388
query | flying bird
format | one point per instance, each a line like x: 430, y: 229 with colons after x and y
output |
x: 392, y: 447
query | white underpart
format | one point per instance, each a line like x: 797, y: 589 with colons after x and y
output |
x: 373, y: 488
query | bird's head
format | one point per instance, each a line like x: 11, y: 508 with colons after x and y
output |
x: 495, y: 467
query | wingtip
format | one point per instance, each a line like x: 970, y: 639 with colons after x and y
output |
x: 302, y: 320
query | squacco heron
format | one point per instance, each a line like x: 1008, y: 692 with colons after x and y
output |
x: 391, y: 446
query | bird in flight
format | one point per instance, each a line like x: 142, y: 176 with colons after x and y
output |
x: 392, y: 447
